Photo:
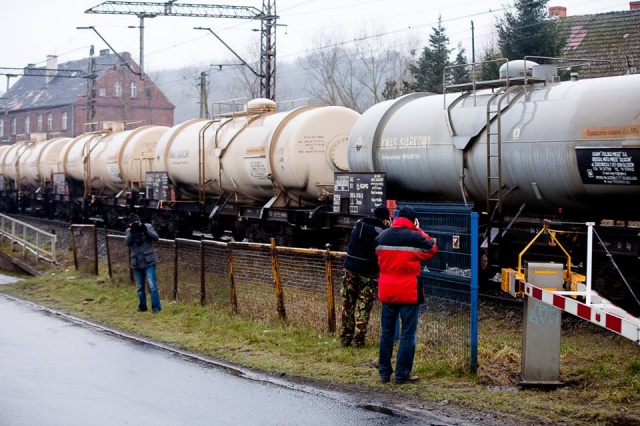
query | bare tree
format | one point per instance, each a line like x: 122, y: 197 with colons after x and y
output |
x: 330, y: 71
x: 356, y: 74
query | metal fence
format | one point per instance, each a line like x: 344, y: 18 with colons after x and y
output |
x: 449, y: 319
x: 32, y: 240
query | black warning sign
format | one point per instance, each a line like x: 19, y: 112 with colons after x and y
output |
x: 359, y: 193
x: 609, y: 166
x: 157, y: 186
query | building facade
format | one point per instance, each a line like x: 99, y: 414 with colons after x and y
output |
x: 75, y: 97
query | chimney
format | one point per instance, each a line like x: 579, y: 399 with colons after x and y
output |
x: 634, y: 5
x: 104, y: 52
x: 52, y: 64
x: 29, y: 67
x: 558, y: 12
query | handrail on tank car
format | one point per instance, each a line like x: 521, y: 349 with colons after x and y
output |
x: 474, y: 83
x: 579, y: 62
x: 500, y: 82
x: 231, y: 104
x: 291, y: 103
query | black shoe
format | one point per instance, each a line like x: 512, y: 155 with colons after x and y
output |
x: 142, y: 309
x: 358, y: 345
x: 385, y: 379
x: 410, y: 379
x: 155, y: 311
x: 345, y: 344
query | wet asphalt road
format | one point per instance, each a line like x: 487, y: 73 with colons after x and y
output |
x: 59, y: 371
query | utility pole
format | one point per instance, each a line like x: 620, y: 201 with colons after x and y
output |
x: 91, y: 88
x: 204, y: 103
x: 268, y: 50
x: 267, y: 16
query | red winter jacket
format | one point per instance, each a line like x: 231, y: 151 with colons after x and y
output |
x: 400, y: 250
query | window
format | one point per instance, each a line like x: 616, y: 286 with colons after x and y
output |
x: 49, y: 122
x: 64, y: 120
x: 14, y: 126
x: 40, y: 122
x: 1, y: 128
x: 117, y: 89
x: 27, y: 124
x: 134, y: 90
x: 102, y: 92
x: 147, y: 93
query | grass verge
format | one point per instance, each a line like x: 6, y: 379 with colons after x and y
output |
x: 600, y: 371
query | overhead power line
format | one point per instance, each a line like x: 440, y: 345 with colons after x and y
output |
x: 267, y: 17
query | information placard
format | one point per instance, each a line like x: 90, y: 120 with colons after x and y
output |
x: 359, y: 193
x: 609, y: 166
x: 157, y: 186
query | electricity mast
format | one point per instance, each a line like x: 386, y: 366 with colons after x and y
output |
x: 267, y: 17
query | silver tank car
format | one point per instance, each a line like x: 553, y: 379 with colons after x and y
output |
x: 278, y: 159
x: 573, y: 145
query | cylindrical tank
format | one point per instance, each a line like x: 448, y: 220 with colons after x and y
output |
x: 552, y: 137
x: 3, y: 153
x: 48, y: 160
x: 258, y: 155
x: 13, y: 157
x: 31, y: 162
x: 113, y: 160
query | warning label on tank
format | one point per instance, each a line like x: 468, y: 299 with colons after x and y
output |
x: 609, y: 166
x: 611, y: 132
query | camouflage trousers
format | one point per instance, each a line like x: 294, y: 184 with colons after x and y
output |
x: 358, y: 294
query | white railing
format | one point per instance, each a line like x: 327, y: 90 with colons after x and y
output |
x: 33, y: 240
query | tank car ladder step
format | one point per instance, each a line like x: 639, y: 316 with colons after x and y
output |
x: 496, y: 190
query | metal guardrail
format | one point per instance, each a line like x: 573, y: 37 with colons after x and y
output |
x: 33, y: 240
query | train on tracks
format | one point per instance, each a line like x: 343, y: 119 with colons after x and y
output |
x: 521, y: 149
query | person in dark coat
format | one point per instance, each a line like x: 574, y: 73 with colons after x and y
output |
x: 360, y: 281
x: 141, y: 237
x: 400, y: 249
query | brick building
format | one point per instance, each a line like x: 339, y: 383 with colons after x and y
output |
x: 51, y: 102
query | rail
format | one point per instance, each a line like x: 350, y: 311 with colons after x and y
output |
x: 33, y: 240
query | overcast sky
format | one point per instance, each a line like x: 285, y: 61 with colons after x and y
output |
x: 32, y: 29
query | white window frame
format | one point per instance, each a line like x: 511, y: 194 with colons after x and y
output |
x: 102, y: 92
x: 64, y: 120
x: 27, y: 124
x: 117, y: 89
x: 133, y: 90
x: 49, y: 122
x: 14, y: 126
x: 39, y: 122
x: 1, y: 128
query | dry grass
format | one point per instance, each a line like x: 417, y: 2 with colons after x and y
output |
x: 601, y: 371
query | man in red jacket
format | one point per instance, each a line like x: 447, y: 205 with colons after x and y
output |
x: 400, y: 249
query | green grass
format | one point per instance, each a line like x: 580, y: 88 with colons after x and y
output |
x: 601, y: 371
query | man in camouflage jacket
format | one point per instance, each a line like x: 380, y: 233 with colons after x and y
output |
x: 360, y: 282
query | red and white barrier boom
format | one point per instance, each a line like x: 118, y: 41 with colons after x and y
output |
x: 570, y: 293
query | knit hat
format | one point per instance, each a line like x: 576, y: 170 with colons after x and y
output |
x: 407, y: 212
x: 133, y: 218
x: 381, y: 212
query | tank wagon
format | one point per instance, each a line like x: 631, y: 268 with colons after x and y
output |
x: 521, y: 149
x: 257, y: 172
